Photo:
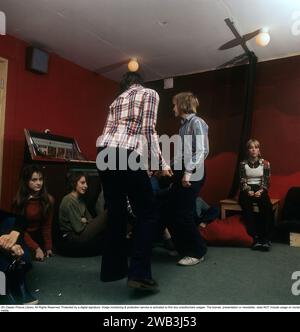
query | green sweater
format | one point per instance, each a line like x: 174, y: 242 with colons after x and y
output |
x: 71, y: 211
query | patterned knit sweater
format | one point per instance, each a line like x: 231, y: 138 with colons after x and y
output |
x: 255, y: 173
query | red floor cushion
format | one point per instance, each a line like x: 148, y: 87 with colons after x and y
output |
x: 227, y: 232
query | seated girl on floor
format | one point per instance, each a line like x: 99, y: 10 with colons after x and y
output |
x: 82, y: 235
x: 36, y: 205
x: 14, y: 260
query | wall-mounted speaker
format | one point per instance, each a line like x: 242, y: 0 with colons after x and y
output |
x: 37, y: 60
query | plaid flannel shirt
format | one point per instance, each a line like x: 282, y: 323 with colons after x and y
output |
x: 131, y: 123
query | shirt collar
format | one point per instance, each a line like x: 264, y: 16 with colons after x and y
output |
x: 254, y: 164
x: 187, y: 118
x: 134, y: 86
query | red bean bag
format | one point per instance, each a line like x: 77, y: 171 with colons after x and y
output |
x: 226, y: 232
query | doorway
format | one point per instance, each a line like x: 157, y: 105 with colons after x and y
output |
x: 3, y: 81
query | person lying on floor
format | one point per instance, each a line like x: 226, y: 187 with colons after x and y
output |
x: 82, y: 235
x: 14, y: 260
x: 36, y: 205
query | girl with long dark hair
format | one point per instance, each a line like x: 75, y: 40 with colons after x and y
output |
x: 34, y: 203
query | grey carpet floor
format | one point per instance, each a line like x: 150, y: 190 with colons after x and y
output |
x: 228, y: 276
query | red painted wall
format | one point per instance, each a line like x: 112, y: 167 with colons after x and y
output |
x: 73, y: 101
x: 276, y: 121
x: 69, y: 100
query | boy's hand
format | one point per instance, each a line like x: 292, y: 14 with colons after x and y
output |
x: 167, y: 172
x: 185, y: 181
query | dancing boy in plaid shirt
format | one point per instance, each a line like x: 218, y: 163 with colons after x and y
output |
x: 130, y: 124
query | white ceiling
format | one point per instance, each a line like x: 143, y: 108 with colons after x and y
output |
x: 169, y: 37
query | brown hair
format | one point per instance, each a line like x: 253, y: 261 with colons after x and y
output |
x: 73, y: 179
x: 186, y: 102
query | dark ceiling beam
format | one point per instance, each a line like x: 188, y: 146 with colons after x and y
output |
x: 239, y: 38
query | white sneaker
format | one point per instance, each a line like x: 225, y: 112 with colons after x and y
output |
x: 189, y: 261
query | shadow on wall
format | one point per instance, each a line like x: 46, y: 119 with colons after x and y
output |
x: 280, y: 184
